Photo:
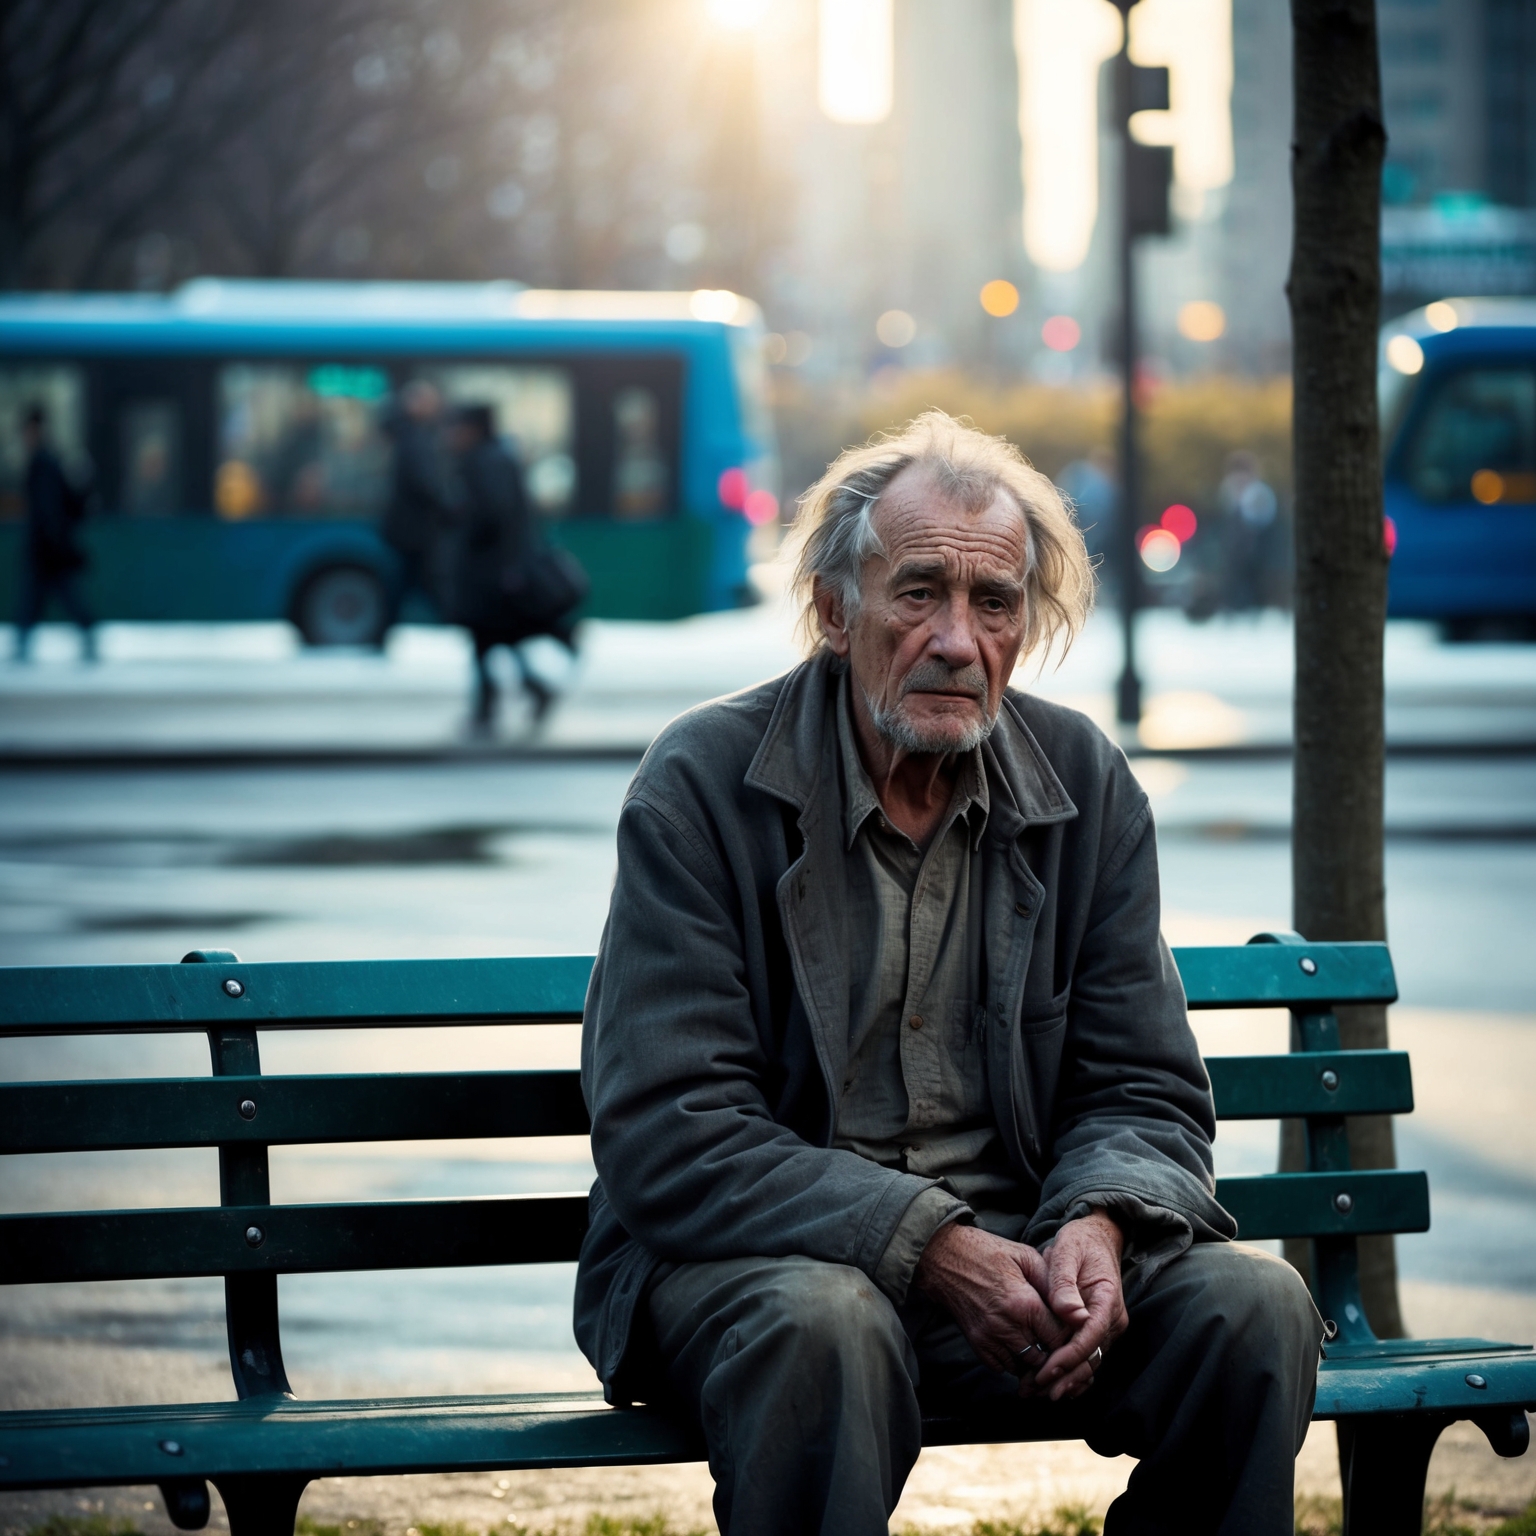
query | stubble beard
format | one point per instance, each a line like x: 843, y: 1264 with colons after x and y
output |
x: 897, y: 727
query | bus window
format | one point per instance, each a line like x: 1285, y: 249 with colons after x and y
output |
x: 534, y: 408
x: 1477, y: 439
x: 151, y: 458
x: 301, y: 440
x: 60, y: 390
x: 640, y: 487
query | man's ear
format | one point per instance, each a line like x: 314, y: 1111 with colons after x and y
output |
x: 834, y: 621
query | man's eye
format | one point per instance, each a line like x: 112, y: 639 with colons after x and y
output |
x: 919, y: 594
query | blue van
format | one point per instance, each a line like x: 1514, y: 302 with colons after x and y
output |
x: 1458, y: 396
x: 233, y: 434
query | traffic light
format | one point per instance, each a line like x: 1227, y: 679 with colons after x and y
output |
x: 1149, y: 173
x: 1149, y: 88
x: 1149, y: 167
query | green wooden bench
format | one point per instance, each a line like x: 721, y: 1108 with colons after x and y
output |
x: 1391, y: 1398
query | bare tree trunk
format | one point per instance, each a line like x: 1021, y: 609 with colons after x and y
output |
x: 1341, y: 562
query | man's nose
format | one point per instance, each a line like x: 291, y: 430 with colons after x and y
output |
x: 954, y: 632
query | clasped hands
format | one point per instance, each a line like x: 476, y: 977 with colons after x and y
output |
x: 1009, y: 1298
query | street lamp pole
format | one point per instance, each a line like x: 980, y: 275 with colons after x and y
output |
x: 1128, y: 691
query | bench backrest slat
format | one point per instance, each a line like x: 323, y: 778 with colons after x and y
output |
x: 324, y: 994
x: 282, y: 1110
x: 336, y: 994
x: 1311, y: 1083
x: 1347, y: 1204
x: 1286, y: 975
x: 293, y: 1239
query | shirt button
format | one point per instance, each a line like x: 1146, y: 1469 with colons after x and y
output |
x: 1022, y: 908
x: 917, y: 1021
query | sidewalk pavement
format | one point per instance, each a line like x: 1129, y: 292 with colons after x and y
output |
x: 251, y: 692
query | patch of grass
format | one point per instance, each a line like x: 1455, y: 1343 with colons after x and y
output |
x: 1317, y: 1516
x: 1523, y: 1524
x: 1067, y: 1520
x: 85, y: 1525
x: 304, y: 1526
x: 1447, y: 1516
x: 657, y: 1525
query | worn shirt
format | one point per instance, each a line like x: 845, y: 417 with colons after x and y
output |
x: 915, y: 1095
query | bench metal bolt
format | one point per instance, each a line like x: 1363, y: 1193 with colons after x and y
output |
x: 1308, y: 965
x: 234, y: 988
x: 247, y: 1109
x: 171, y: 1447
x: 1344, y: 1202
x: 1330, y: 1082
x: 255, y: 1236
x: 1474, y: 1380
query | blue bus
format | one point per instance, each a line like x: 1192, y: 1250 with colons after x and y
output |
x: 1458, y: 398
x: 232, y: 434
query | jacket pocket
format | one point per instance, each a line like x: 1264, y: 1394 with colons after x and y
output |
x: 1039, y: 1016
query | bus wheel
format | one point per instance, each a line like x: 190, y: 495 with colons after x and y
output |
x: 343, y: 605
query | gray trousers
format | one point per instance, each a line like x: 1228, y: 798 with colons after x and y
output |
x: 811, y: 1387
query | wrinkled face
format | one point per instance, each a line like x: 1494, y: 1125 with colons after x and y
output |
x: 942, y: 617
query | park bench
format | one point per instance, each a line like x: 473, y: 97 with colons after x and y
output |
x: 1391, y: 1398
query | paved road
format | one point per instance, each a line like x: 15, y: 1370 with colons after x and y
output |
x: 247, y: 690
x: 467, y: 857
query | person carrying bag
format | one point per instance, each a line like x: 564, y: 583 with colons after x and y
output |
x: 507, y: 585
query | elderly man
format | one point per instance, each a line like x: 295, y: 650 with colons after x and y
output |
x: 895, y: 1105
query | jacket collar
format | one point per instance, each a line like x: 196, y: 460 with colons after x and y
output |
x: 1024, y: 788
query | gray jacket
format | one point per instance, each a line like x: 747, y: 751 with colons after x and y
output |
x: 717, y: 1018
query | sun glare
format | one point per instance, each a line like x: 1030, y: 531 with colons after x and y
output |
x: 737, y: 15
x: 1061, y: 44
x: 856, y: 60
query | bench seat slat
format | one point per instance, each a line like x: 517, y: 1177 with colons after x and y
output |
x: 1274, y: 1087
x: 296, y: 1239
x: 1307, y: 1204
x: 103, y: 1447
x: 205, y: 1111
x: 1271, y: 975
x: 332, y: 994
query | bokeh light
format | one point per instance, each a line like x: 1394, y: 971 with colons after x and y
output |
x: 1202, y: 320
x: 1061, y: 333
x: 761, y: 507
x: 1488, y: 487
x: 1405, y: 354
x: 1159, y: 549
x: 999, y: 298
x: 1441, y: 316
x: 895, y: 328
x: 732, y: 489
x: 1180, y: 521
x: 1389, y: 536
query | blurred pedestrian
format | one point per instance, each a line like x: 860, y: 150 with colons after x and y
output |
x: 1250, y: 509
x: 417, y: 515
x: 1090, y: 488
x: 505, y: 586
x: 52, y: 558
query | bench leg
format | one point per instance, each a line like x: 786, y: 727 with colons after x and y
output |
x: 186, y: 1502
x: 1508, y: 1430
x: 1383, y: 1463
x: 261, y: 1506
